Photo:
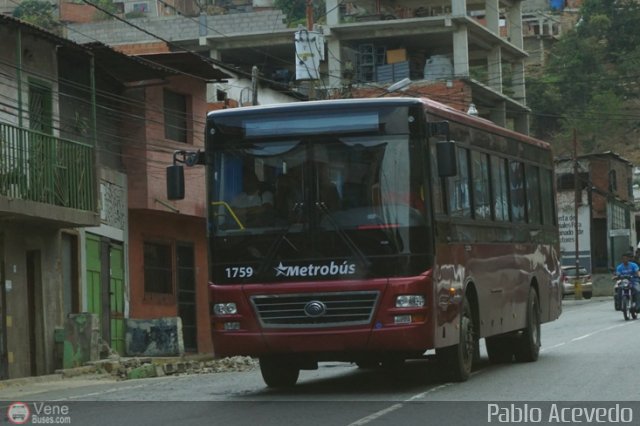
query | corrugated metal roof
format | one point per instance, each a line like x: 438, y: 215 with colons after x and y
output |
x: 187, y: 63
x: 41, y: 32
x: 126, y: 68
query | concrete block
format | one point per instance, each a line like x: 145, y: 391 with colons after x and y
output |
x: 142, y: 372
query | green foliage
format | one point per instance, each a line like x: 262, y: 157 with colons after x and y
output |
x: 38, y: 13
x: 590, y: 79
x: 106, y: 5
x: 296, y: 11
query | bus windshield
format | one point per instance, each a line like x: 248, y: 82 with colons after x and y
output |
x: 350, y: 206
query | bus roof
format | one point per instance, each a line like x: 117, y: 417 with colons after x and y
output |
x: 436, y: 108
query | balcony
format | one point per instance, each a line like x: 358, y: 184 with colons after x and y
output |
x: 46, y: 178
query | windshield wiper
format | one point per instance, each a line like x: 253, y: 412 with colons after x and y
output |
x: 320, y: 205
x: 280, y: 238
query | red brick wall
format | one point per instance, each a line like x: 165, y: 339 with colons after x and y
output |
x: 148, y: 155
x: 599, y: 170
x: 142, y: 48
x: 457, y: 96
x: 77, y: 13
x: 170, y: 228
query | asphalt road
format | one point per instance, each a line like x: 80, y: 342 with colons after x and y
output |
x: 586, y: 362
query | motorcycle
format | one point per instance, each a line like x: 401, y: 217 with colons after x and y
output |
x: 623, y: 297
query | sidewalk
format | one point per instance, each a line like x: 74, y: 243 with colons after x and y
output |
x: 123, y: 368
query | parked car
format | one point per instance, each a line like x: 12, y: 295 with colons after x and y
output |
x: 569, y: 280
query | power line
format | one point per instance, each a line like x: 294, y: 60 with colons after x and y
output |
x: 160, y: 38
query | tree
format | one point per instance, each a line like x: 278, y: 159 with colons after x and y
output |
x: 296, y: 10
x: 38, y: 13
x: 590, y: 80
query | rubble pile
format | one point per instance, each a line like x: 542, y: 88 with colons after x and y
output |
x: 140, y: 368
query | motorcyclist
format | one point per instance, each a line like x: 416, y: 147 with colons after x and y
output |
x: 630, y: 268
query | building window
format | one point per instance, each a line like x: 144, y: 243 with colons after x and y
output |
x: 141, y: 7
x: 158, y: 268
x: 618, y: 217
x: 175, y: 116
x: 613, y: 181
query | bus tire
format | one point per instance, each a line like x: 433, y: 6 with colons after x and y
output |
x: 457, y: 360
x: 526, y: 347
x: 499, y: 349
x: 279, y: 372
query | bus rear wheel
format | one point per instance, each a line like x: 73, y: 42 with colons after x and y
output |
x: 279, y: 372
x: 526, y: 347
x: 458, y: 359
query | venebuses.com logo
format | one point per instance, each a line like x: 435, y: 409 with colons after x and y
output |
x: 18, y: 413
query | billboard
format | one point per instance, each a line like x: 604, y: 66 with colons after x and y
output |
x: 566, y: 223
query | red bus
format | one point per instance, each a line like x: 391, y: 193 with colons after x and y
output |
x: 372, y: 230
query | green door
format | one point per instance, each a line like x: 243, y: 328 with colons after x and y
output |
x: 116, y: 297
x: 94, y: 268
x: 105, y: 271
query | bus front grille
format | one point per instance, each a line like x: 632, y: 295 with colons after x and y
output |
x: 315, y: 309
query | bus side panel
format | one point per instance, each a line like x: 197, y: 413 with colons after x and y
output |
x: 448, y: 281
x: 501, y: 276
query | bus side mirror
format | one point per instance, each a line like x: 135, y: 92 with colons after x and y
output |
x: 446, y: 157
x: 175, y: 182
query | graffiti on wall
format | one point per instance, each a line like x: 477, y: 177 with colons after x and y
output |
x: 113, y: 209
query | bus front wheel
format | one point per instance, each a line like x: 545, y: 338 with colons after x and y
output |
x: 279, y: 372
x: 458, y: 359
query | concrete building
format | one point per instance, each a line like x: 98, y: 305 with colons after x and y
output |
x: 606, y: 214
x: 167, y: 240
x: 47, y: 188
x: 85, y: 134
x: 473, y: 45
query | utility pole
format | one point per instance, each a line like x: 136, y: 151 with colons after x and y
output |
x: 254, y: 85
x: 310, y: 15
x: 312, y: 86
x: 577, y: 193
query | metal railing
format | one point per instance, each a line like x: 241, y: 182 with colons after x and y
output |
x: 39, y: 167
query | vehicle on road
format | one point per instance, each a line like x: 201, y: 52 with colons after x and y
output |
x: 623, y: 292
x: 569, y: 281
x: 388, y: 227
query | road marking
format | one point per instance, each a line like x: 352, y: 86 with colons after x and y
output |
x: 553, y: 347
x: 376, y: 415
x: 575, y: 339
x: 105, y: 391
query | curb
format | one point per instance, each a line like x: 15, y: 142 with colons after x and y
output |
x: 124, y: 368
x: 22, y: 381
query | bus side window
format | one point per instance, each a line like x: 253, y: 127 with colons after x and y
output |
x: 500, y: 195
x: 458, y: 187
x: 436, y: 189
x: 480, y: 178
x: 516, y: 183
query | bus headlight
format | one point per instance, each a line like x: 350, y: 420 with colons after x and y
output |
x: 410, y: 301
x: 225, y: 308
